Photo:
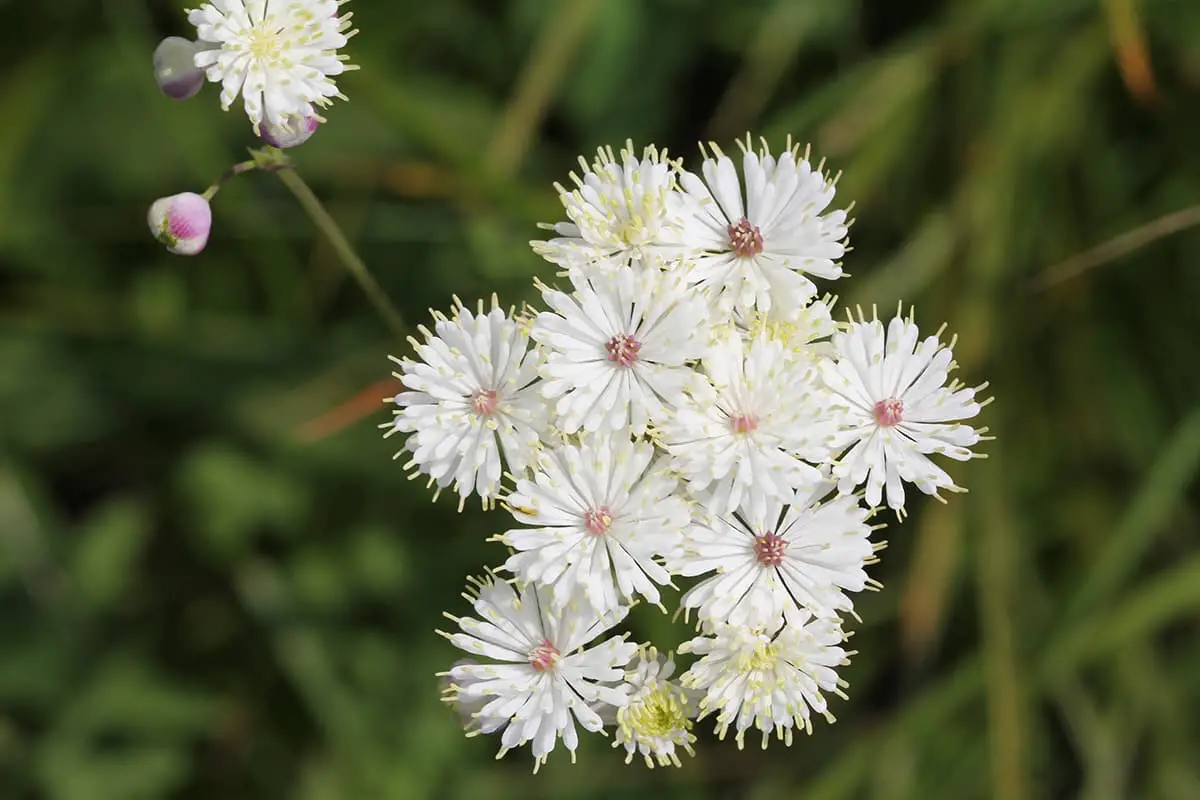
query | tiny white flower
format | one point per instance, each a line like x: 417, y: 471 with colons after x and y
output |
x: 901, y: 409
x: 471, y: 395
x: 769, y: 681
x: 741, y: 438
x: 539, y: 679
x: 783, y: 562
x: 280, y: 55
x: 758, y: 253
x: 657, y: 721
x: 617, y: 348
x: 602, y: 515
x: 621, y: 208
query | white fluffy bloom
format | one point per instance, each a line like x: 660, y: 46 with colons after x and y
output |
x: 753, y: 678
x: 603, y: 515
x: 900, y: 409
x: 657, y: 722
x: 621, y: 209
x: 780, y: 563
x: 470, y: 396
x: 617, y: 348
x: 757, y: 253
x: 544, y: 680
x: 804, y: 331
x: 280, y: 55
x: 742, y: 438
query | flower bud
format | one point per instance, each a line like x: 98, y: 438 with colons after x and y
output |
x: 295, y: 130
x: 175, y: 70
x: 181, y: 222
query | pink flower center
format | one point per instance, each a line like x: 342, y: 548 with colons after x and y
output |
x: 769, y: 549
x: 745, y: 239
x: 484, y: 403
x: 743, y: 423
x: 888, y: 412
x: 598, y: 521
x: 543, y: 657
x: 623, y: 349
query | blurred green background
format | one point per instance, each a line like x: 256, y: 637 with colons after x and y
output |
x: 214, y: 582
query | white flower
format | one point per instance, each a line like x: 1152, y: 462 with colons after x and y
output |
x: 545, y: 680
x: 621, y: 209
x: 804, y: 330
x: 757, y: 254
x: 785, y: 562
x: 752, y: 678
x: 280, y: 55
x: 471, y: 394
x: 741, y: 439
x: 617, y: 348
x: 603, y: 516
x: 657, y: 719
x: 900, y: 409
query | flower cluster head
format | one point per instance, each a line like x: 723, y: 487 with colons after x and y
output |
x: 682, y: 422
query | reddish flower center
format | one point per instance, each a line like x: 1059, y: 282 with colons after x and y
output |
x: 543, y: 657
x: 598, y: 521
x: 743, y: 423
x: 745, y: 239
x: 484, y: 403
x: 769, y: 548
x: 623, y: 349
x: 888, y: 412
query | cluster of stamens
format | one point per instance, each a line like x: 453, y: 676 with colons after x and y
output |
x: 598, y: 521
x: 623, y: 349
x: 769, y: 549
x: 888, y: 412
x: 745, y: 239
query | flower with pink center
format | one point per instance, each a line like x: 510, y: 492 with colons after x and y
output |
x: 754, y: 249
x: 618, y: 348
x: 469, y: 397
x: 779, y: 562
x: 540, y: 676
x: 181, y: 222
x: 601, y: 517
x: 901, y: 409
x: 754, y: 430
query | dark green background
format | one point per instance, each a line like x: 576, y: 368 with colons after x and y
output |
x: 197, y: 600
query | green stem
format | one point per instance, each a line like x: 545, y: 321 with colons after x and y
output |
x: 328, y: 226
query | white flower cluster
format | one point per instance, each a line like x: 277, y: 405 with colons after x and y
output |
x: 683, y: 409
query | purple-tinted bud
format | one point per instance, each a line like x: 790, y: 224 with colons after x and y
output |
x: 296, y: 130
x: 175, y: 69
x: 181, y: 222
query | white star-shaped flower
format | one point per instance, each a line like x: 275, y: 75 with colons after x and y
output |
x: 541, y: 677
x: 741, y: 438
x: 618, y: 347
x: 471, y: 395
x: 657, y: 722
x: 602, y: 516
x: 901, y: 409
x: 622, y: 208
x: 757, y: 253
x: 783, y: 562
x: 279, y: 55
x: 769, y: 681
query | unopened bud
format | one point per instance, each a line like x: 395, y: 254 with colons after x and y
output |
x: 296, y: 130
x: 175, y: 69
x: 181, y: 222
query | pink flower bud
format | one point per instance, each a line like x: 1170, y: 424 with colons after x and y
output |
x: 181, y: 222
x: 295, y: 130
x: 175, y: 70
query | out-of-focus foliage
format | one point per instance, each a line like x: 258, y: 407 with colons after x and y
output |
x: 210, y: 588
